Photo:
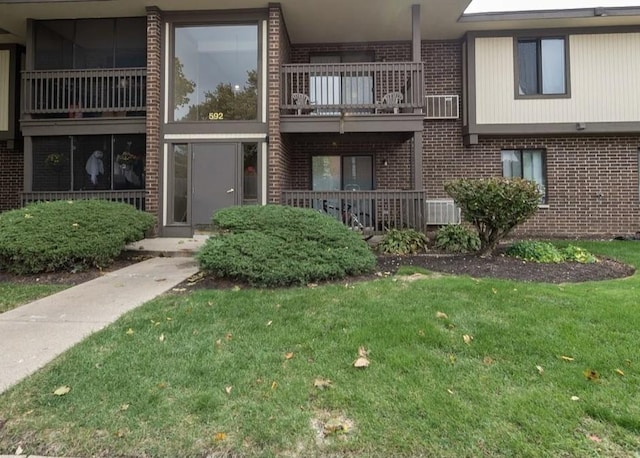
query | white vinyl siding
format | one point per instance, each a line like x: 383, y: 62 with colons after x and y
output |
x: 604, y: 87
x: 4, y: 90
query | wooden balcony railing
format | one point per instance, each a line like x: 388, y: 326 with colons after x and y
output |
x: 373, y: 212
x: 132, y: 197
x: 75, y: 92
x: 356, y: 88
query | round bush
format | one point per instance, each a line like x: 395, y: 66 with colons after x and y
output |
x: 403, y: 241
x: 279, y: 246
x: 456, y: 238
x: 68, y: 235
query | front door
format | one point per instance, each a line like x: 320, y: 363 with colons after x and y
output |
x: 214, y: 180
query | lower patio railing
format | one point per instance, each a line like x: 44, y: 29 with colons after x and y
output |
x: 135, y: 198
x: 373, y: 212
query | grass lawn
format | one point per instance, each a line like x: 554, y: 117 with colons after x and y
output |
x: 12, y: 295
x: 544, y: 370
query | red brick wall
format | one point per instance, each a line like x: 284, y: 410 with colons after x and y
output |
x: 278, y: 50
x: 11, y: 176
x: 153, y: 120
x: 383, y: 51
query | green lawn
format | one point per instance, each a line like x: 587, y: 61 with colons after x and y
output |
x: 546, y: 370
x: 12, y: 295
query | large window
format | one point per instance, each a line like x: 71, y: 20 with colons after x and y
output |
x: 215, y: 74
x: 542, y: 66
x: 90, y: 43
x: 527, y: 164
x: 88, y: 162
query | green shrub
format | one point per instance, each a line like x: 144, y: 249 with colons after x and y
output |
x: 531, y: 250
x: 402, y: 241
x: 494, y: 206
x: 68, y: 235
x: 577, y: 254
x: 457, y: 238
x: 279, y: 246
x: 547, y: 253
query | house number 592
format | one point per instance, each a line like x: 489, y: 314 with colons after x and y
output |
x: 216, y: 116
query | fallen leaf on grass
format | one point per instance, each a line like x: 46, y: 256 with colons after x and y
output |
x: 19, y: 450
x: 575, y: 398
x: 269, y: 323
x: 124, y: 407
x: 421, y: 333
x: 321, y: 383
x: 467, y: 338
x: 566, y: 358
x: 594, y: 438
x: 228, y: 389
x: 619, y: 372
x: 161, y: 338
x: 488, y: 360
x: 61, y: 391
x: 228, y: 336
x: 288, y: 355
x: 179, y: 290
x: 540, y: 370
x: 495, y: 291
x: 219, y: 437
x: 274, y: 385
x: 591, y: 375
x: 362, y: 361
x: 334, y: 426
x: 442, y: 315
x: 130, y: 331
x: 235, y: 288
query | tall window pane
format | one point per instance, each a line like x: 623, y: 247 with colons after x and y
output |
x: 51, y: 164
x: 528, y: 67
x: 553, y: 66
x: 180, y: 183
x: 94, y: 43
x: 215, y: 74
x: 250, y: 173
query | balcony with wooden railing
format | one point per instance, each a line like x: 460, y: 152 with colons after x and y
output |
x: 334, y: 95
x: 373, y: 212
x: 81, y: 93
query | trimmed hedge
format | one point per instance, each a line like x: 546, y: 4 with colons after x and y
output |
x: 68, y: 235
x: 280, y: 246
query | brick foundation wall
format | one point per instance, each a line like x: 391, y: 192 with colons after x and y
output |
x: 153, y: 119
x: 11, y: 176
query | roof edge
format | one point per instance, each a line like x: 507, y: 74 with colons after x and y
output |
x: 551, y: 14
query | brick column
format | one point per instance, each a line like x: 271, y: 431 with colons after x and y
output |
x: 154, y: 114
x: 11, y: 176
x: 275, y: 154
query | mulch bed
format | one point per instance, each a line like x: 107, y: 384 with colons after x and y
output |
x: 498, y: 266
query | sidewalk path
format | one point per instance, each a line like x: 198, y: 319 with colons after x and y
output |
x: 35, y: 333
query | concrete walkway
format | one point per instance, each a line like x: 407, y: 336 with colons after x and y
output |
x: 35, y: 333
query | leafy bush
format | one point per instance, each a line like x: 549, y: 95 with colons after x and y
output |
x: 279, y: 246
x: 545, y: 252
x: 530, y: 250
x: 494, y: 206
x: 457, y: 238
x: 66, y: 235
x: 402, y: 241
x: 577, y: 254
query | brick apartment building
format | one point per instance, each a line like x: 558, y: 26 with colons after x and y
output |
x: 367, y: 104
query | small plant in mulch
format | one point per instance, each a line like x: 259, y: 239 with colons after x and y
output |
x: 545, y: 252
x: 403, y: 242
x: 456, y: 238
